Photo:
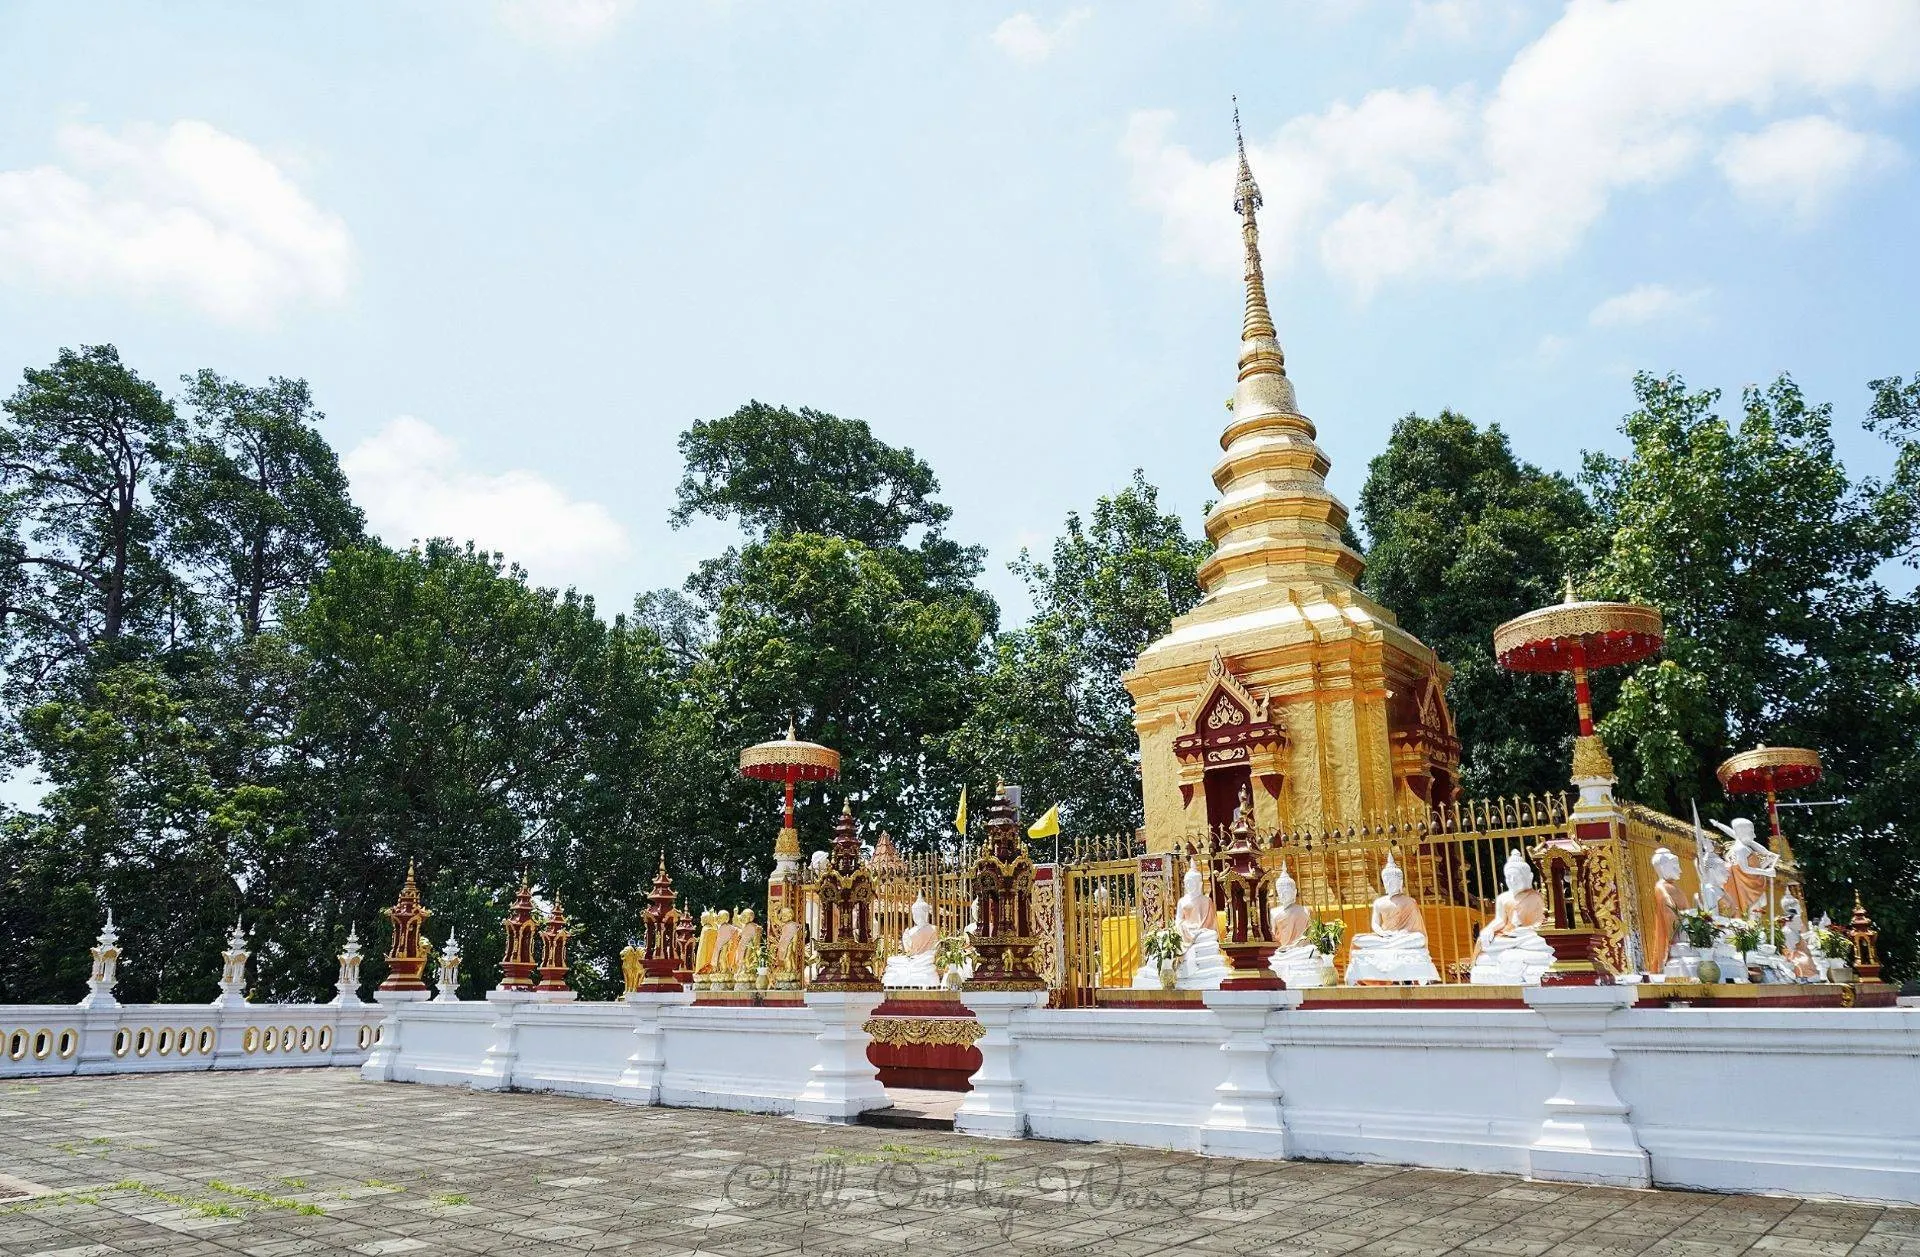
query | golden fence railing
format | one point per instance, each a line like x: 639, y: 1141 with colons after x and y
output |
x: 1101, y: 916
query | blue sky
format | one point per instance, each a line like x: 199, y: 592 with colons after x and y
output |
x: 518, y: 246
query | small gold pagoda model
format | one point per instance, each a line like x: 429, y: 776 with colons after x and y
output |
x: 1285, y: 678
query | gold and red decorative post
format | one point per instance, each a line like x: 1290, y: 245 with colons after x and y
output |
x: 1572, y: 928
x: 553, y: 952
x: 1242, y: 900
x: 516, y: 962
x: 1004, y: 941
x: 686, y: 934
x: 845, y: 890
x: 408, y: 955
x: 659, y: 922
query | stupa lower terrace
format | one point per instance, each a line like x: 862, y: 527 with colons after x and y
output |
x: 1314, y: 949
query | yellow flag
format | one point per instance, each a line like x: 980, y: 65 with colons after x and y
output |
x: 960, y: 817
x: 1047, y: 826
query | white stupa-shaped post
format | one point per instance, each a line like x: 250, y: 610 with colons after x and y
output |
x: 448, y: 981
x: 233, y: 970
x: 348, y: 981
x: 106, y: 968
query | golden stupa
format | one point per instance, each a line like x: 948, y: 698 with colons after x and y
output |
x: 1285, y: 683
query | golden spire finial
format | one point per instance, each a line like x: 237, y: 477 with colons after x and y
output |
x: 792, y: 730
x: 846, y: 806
x: 1260, y: 347
x: 1571, y: 596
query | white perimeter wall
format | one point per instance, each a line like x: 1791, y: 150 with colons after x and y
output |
x: 1814, y: 1102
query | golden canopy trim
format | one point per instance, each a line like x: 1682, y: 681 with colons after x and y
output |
x: 1608, y: 633
x: 789, y: 757
x: 1769, y: 768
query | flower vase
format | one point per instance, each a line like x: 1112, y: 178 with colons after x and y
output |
x: 1168, y: 973
x: 1709, y: 969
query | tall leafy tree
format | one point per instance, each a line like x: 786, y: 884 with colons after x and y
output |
x: 1462, y: 536
x: 1762, y: 555
x: 80, y: 557
x: 256, y: 494
x: 1053, y: 713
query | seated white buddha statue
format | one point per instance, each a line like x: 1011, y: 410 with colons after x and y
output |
x: 1295, y: 960
x: 1202, y: 967
x: 1511, y: 951
x: 1395, y: 950
x: 913, y: 965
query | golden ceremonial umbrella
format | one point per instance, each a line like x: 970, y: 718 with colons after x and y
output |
x: 1768, y: 770
x: 1573, y: 636
x: 789, y: 760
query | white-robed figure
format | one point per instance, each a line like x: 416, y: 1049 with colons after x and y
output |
x: 912, y: 965
x: 1511, y: 951
x: 1395, y: 950
x: 1295, y: 960
x: 1202, y: 967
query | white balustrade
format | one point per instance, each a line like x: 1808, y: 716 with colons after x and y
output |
x: 41, y: 1040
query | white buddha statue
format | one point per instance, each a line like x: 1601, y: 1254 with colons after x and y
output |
x: 912, y: 965
x: 1395, y: 950
x: 1295, y: 961
x: 1712, y: 869
x: 1202, y: 967
x: 1511, y: 951
x: 1794, y: 943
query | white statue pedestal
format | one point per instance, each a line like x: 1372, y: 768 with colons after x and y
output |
x: 1519, y: 963
x: 913, y: 973
x: 1246, y: 1119
x: 996, y: 1107
x: 1303, y: 968
x: 843, y: 1083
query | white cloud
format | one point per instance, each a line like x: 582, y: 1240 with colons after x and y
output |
x: 188, y: 212
x: 1415, y: 182
x: 1802, y: 165
x: 562, y: 23
x: 1023, y: 38
x: 410, y: 480
x: 1646, y: 303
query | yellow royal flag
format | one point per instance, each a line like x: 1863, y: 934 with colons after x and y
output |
x: 960, y: 817
x: 1047, y: 826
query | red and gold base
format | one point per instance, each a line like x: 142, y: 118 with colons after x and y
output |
x: 924, y: 1039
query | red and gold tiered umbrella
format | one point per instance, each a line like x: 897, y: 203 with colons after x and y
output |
x: 791, y: 761
x: 1768, y: 770
x: 1574, y: 636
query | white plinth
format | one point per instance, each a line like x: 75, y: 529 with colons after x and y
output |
x: 386, y: 1044
x: 640, y: 1080
x: 996, y: 1106
x: 843, y: 1083
x: 1585, y: 1136
x: 496, y: 1067
x: 1246, y: 1120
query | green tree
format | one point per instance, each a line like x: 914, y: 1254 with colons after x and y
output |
x: 133, y: 821
x: 453, y: 715
x: 1462, y: 536
x: 255, y: 495
x: 80, y: 566
x: 1761, y: 554
x: 1053, y: 713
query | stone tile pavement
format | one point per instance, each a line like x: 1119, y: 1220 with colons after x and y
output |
x: 296, y: 1161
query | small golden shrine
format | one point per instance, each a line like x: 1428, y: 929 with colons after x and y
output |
x: 1006, y: 939
x: 1285, y: 679
x: 516, y: 962
x: 407, y: 958
x: 660, y: 926
x: 845, y: 888
x: 553, y: 950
